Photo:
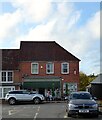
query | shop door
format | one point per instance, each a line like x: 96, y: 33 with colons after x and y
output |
x: 42, y: 91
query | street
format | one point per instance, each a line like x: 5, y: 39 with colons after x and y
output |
x: 32, y: 112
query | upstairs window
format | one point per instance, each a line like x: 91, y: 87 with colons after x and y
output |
x: 34, y: 68
x: 9, y: 76
x: 65, y: 68
x: 49, y: 68
x: 6, y: 76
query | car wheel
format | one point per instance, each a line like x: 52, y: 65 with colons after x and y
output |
x: 37, y: 100
x: 69, y: 115
x: 12, y: 101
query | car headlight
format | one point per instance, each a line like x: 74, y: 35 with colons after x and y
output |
x: 71, y: 106
x: 95, y: 105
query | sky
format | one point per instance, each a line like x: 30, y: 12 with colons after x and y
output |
x: 73, y: 24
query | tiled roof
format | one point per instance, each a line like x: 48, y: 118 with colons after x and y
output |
x: 35, y: 51
x: 10, y: 58
x: 44, y: 51
x: 98, y: 80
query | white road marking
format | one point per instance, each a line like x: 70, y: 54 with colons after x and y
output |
x: 10, y: 112
x: 14, y: 111
x: 66, y: 116
x: 38, y: 108
x: 35, y: 116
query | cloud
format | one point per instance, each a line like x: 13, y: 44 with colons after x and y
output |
x: 93, y: 26
x: 8, y: 24
x: 61, y: 27
x: 39, y: 33
x: 33, y: 10
x: 87, y: 35
x: 57, y: 26
x: 88, y: 45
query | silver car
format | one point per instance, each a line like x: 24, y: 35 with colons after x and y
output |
x: 22, y: 95
x: 82, y: 103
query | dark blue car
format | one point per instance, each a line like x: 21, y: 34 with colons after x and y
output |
x: 82, y: 103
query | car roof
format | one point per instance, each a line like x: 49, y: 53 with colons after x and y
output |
x: 17, y: 90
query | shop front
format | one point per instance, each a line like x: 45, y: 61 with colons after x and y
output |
x: 42, y: 84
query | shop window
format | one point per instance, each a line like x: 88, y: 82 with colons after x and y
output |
x: 4, y: 90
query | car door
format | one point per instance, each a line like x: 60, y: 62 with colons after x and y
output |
x: 27, y: 96
x: 19, y: 95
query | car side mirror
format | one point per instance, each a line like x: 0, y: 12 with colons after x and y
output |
x: 95, y: 98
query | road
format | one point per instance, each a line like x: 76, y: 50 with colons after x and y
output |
x: 33, y: 112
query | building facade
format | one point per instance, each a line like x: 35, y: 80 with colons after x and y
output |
x: 39, y: 66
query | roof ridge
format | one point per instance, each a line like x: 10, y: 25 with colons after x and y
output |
x: 36, y: 41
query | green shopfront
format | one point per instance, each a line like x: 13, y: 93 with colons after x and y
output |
x: 42, y: 84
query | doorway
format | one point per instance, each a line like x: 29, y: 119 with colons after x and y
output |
x: 42, y: 91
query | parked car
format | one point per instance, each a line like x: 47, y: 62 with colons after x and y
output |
x: 82, y: 103
x: 22, y: 95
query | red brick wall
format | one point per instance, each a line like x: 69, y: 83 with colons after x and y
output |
x: 17, y: 76
x: 25, y: 68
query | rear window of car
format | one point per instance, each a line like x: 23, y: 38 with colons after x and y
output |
x: 81, y: 96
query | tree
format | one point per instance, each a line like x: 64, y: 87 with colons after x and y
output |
x: 92, y: 77
x: 84, y: 81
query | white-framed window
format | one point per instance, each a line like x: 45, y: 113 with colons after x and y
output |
x: 50, y: 68
x: 65, y: 68
x: 6, y: 76
x: 4, y: 90
x: 34, y: 68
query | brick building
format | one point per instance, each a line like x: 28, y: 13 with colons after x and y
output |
x: 39, y: 66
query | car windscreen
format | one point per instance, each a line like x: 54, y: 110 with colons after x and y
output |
x: 81, y: 96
